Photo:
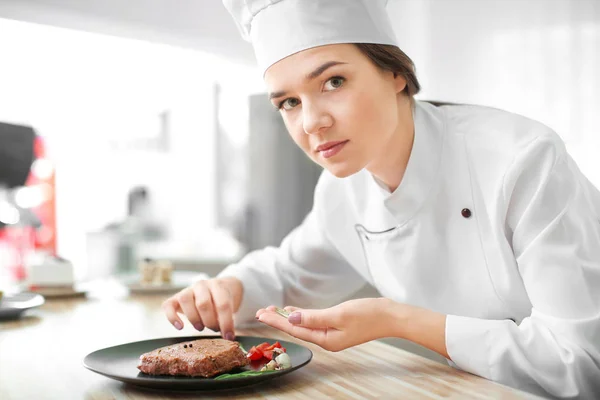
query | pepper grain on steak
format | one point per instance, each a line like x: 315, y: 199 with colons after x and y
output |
x: 203, y: 357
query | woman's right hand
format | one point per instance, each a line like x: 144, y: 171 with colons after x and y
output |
x: 207, y: 304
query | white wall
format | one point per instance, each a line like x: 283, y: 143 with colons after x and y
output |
x: 203, y: 25
x: 538, y: 58
x: 82, y: 91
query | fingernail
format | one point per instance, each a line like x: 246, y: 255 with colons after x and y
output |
x: 230, y: 336
x: 295, y: 318
x: 177, y: 325
x: 198, y: 326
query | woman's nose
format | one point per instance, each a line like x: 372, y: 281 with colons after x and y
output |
x: 315, y: 118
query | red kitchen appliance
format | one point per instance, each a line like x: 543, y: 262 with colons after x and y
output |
x: 27, y: 198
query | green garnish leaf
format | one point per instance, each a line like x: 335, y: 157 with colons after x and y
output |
x: 242, y: 374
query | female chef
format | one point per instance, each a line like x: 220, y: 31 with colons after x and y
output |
x: 475, y: 225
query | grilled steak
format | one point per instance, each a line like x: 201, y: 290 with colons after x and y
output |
x: 203, y: 357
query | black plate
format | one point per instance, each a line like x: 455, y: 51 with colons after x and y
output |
x: 120, y: 363
x: 11, y: 306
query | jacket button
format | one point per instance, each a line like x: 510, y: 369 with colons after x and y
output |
x: 466, y: 213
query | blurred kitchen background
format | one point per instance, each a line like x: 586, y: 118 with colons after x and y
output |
x: 152, y: 135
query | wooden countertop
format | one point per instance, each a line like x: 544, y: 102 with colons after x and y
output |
x: 41, y: 357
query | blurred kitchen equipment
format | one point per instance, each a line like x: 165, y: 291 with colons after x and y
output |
x: 115, y: 249
x: 50, y: 271
x: 27, y: 194
x: 179, y: 280
x: 155, y: 272
x: 16, y: 154
x: 16, y: 158
x: 280, y: 179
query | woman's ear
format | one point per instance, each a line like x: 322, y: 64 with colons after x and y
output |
x: 400, y: 82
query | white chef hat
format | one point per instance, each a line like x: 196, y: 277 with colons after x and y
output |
x: 280, y: 28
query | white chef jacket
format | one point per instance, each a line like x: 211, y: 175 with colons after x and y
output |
x: 493, y: 224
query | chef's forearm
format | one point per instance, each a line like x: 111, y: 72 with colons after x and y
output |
x: 418, y: 325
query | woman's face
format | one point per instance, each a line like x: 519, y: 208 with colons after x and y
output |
x: 338, y: 106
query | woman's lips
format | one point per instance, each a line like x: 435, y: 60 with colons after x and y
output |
x: 331, y: 149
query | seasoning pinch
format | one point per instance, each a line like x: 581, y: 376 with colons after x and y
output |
x: 282, y: 312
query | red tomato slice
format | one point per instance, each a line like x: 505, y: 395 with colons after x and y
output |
x: 263, y: 346
x: 255, y: 354
x: 264, y: 350
x: 275, y: 345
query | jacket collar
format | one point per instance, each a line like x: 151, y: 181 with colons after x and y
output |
x: 421, y: 173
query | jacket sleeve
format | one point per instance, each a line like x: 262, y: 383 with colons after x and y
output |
x: 555, y: 234
x: 306, y: 270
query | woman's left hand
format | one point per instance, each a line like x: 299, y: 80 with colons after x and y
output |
x: 337, y: 328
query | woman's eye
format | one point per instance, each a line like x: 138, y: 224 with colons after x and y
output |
x: 288, y: 104
x: 334, y: 83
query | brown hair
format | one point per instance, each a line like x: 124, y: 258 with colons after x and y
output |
x: 391, y: 58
